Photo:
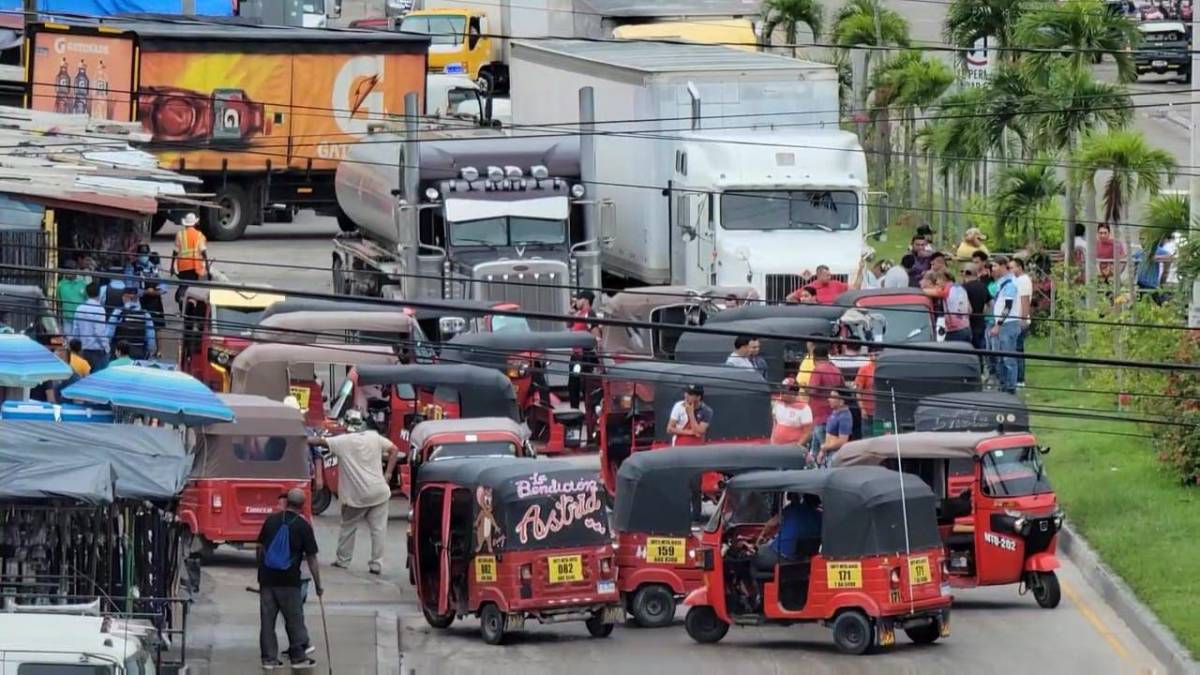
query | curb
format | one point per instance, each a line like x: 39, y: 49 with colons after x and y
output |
x: 1157, y: 638
x: 1181, y: 120
x: 387, y: 644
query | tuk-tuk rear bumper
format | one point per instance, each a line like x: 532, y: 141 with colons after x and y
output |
x: 612, y: 612
x: 885, y: 627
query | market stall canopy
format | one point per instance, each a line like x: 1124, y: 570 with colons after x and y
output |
x: 149, y: 462
x: 79, y: 478
x: 25, y: 363
x: 171, y: 396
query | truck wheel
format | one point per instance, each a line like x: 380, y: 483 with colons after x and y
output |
x: 852, y: 632
x: 597, y: 627
x: 230, y: 220
x: 486, y: 82
x: 491, y: 624
x: 1045, y: 589
x: 321, y: 500
x: 345, y: 224
x: 704, y: 626
x: 924, y: 635
x: 437, y: 621
x: 653, y: 606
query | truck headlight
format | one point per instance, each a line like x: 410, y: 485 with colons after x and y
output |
x: 432, y: 194
x: 577, y: 191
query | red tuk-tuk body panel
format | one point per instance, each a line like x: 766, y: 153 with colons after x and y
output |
x: 232, y: 510
x: 538, y: 591
x: 648, y: 559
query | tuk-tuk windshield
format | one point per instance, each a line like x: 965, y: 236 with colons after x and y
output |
x: 478, y: 449
x: 905, y: 323
x: 510, y: 324
x: 1014, y: 472
x: 743, y: 508
x: 236, y: 320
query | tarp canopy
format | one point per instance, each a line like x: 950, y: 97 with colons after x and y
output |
x: 169, y: 395
x: 268, y: 440
x: 481, y: 392
x: 149, y: 462
x: 80, y: 478
x: 916, y: 445
x: 263, y: 368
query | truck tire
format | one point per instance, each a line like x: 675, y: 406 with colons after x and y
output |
x: 653, y: 606
x: 345, y: 224
x: 230, y: 220
x: 486, y: 81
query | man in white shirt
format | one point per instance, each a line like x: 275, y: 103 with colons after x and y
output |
x: 689, y: 420
x: 1024, y: 308
x: 363, y: 486
x: 743, y: 349
x: 894, y: 276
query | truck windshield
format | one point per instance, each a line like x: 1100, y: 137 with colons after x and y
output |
x: 1014, y: 472
x: 443, y: 29
x: 507, y: 231
x: 828, y: 210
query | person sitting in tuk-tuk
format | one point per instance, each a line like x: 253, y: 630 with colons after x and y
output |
x: 792, y: 534
x: 690, y: 418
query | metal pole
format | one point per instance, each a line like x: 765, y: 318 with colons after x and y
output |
x: 587, y: 155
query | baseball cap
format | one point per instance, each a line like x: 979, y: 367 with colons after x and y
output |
x: 294, y: 497
x: 694, y: 389
x: 974, y: 232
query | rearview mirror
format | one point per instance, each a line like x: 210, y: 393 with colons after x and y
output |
x: 1044, y: 449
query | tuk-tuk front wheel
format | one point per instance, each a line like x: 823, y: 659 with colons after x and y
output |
x: 598, y: 627
x: 704, y: 626
x: 653, y: 606
x: 853, y: 632
x: 321, y: 500
x: 1045, y: 588
x: 437, y: 620
x: 491, y: 624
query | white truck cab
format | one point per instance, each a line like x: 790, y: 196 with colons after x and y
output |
x: 59, y: 644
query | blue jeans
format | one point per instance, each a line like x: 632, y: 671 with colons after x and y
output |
x: 1021, y: 361
x: 817, y: 440
x: 1007, y: 366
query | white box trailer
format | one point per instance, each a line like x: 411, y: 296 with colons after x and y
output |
x: 725, y: 167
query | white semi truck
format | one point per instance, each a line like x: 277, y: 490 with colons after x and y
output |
x: 725, y: 167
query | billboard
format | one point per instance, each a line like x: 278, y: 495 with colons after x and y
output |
x: 82, y: 74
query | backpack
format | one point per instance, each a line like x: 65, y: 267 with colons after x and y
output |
x: 112, y: 296
x: 131, y: 325
x: 278, y: 555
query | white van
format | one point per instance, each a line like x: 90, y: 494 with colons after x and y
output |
x: 58, y: 644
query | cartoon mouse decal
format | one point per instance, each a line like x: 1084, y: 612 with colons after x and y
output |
x: 487, y: 531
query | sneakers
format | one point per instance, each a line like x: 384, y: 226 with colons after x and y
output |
x: 304, y: 664
x: 272, y: 664
x: 308, y: 649
x: 340, y: 565
x: 1021, y: 384
x: 375, y: 569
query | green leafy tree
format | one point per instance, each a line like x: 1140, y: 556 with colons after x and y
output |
x: 869, y: 23
x: 1079, y: 30
x: 1021, y: 192
x: 911, y: 83
x: 789, y: 14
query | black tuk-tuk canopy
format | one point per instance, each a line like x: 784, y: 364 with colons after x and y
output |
x: 863, y: 508
x: 28, y: 311
x: 829, y: 313
x: 481, y: 392
x: 739, y: 397
x: 544, y: 503
x: 268, y: 440
x: 492, y: 350
x: 704, y: 347
x: 971, y: 411
x: 655, y: 489
x: 462, y: 308
x: 942, y: 368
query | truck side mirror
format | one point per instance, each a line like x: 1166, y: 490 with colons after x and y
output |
x: 608, y: 221
x: 335, y: 9
x: 473, y: 33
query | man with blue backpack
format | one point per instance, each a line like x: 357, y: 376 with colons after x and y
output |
x: 286, y: 538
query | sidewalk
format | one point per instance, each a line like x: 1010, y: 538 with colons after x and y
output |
x: 361, y: 611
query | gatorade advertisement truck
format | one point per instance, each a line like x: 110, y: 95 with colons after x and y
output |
x: 262, y: 114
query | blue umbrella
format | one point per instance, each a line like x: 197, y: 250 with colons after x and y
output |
x: 168, y: 395
x: 24, y: 363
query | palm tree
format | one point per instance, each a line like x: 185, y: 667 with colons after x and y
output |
x: 1019, y: 194
x: 1165, y: 215
x: 1081, y: 30
x: 969, y: 20
x: 868, y: 22
x: 911, y: 82
x: 960, y: 135
x: 790, y: 14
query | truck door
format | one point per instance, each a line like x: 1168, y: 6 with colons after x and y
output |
x: 693, y: 241
x: 706, y: 240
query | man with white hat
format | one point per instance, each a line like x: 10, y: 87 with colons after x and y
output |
x: 189, y: 260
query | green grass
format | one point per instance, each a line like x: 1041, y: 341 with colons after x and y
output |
x: 1136, y: 515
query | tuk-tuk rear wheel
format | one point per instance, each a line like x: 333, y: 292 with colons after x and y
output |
x: 853, y: 632
x: 491, y: 624
x: 924, y: 635
x: 653, y: 606
x: 321, y: 500
x: 437, y: 620
x: 704, y: 626
x: 1045, y: 589
x: 598, y: 627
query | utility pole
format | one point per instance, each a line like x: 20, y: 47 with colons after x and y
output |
x: 1194, y: 187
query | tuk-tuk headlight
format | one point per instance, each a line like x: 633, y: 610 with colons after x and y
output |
x: 219, y: 356
x: 1020, y: 524
x: 1058, y: 520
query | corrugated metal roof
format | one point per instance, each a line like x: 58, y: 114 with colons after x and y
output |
x: 662, y: 8
x: 661, y: 57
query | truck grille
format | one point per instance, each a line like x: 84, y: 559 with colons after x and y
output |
x: 535, y: 285
x: 780, y: 285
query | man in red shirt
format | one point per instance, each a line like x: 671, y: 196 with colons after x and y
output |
x: 827, y: 288
x: 825, y: 378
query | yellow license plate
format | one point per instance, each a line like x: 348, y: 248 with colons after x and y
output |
x: 843, y: 574
x: 918, y: 570
x: 564, y: 568
x: 485, y: 568
x: 666, y: 550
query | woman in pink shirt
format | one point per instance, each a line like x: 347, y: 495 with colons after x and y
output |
x: 793, y: 421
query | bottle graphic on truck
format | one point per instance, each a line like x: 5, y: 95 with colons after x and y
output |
x: 62, y: 89
x: 82, y: 89
x: 101, y: 106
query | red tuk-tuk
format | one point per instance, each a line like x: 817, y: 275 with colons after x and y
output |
x: 638, y: 397
x: 539, y: 365
x: 907, y: 312
x: 217, y: 326
x: 876, y: 565
x: 655, y: 517
x: 509, y: 540
x: 908, y: 376
x: 477, y: 437
x: 664, y: 307
x: 241, y: 469
x: 437, y: 326
x: 1001, y: 528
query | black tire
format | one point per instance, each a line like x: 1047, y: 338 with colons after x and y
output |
x: 597, y: 627
x: 235, y: 212
x: 345, y: 224
x: 653, y: 606
x: 853, y: 632
x: 339, y: 276
x: 924, y: 635
x: 1045, y: 589
x: 704, y: 626
x: 321, y: 500
x: 285, y: 215
x: 437, y: 621
x: 486, y: 82
x: 491, y: 624
x: 157, y: 222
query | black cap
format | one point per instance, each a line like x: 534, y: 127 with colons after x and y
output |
x: 143, y: 248
x: 694, y: 389
x: 925, y: 230
x: 586, y: 295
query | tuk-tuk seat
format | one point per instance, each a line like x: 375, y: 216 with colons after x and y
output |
x: 567, y: 415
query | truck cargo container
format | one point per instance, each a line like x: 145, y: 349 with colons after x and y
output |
x: 262, y: 114
x: 726, y: 167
